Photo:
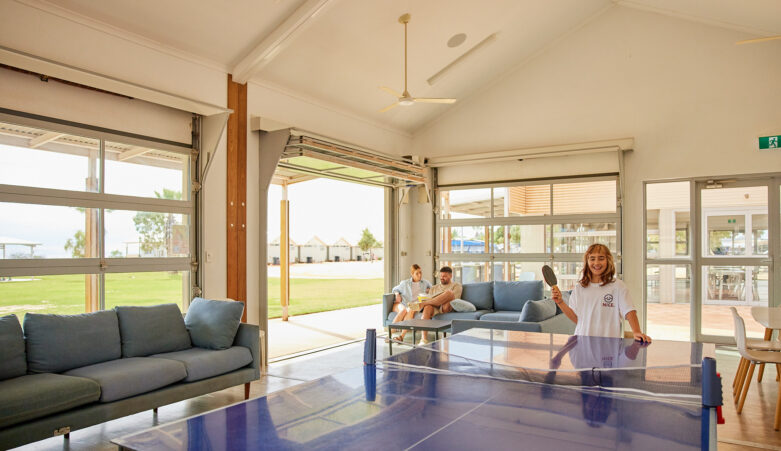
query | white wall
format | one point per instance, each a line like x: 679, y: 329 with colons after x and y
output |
x: 416, y: 221
x: 694, y: 102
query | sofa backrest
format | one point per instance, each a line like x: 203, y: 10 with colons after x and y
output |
x: 480, y: 294
x: 152, y: 330
x: 513, y: 295
x: 57, y: 343
x: 12, y: 354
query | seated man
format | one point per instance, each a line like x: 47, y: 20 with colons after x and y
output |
x: 441, y: 295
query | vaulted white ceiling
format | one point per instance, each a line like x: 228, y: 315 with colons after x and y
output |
x: 349, y: 48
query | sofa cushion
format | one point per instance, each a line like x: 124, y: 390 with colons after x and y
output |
x: 204, y: 363
x: 33, y: 396
x: 460, y: 315
x: 152, y: 330
x: 502, y: 315
x: 460, y: 305
x: 213, y: 324
x: 481, y: 295
x: 513, y: 295
x: 123, y: 378
x: 57, y: 343
x: 536, y: 311
x: 12, y: 348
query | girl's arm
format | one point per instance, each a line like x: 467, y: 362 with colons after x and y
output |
x: 563, y: 305
x: 634, y: 323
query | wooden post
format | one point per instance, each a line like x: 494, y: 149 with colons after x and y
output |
x: 237, y: 194
x: 284, y: 253
x: 91, y: 295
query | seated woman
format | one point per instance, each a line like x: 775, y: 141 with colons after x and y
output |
x: 407, y: 292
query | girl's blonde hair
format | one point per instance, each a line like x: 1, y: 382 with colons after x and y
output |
x: 608, y: 275
x: 414, y: 268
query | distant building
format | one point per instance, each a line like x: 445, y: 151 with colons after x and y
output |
x: 340, y: 251
x: 273, y: 253
x: 314, y: 251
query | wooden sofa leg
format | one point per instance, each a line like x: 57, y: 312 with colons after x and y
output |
x: 246, y: 390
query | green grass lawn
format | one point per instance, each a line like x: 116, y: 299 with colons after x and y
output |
x: 65, y: 294
x: 320, y: 295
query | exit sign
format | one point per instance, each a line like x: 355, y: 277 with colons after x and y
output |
x: 770, y: 142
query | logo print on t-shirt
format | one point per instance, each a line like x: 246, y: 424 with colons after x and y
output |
x: 607, y: 301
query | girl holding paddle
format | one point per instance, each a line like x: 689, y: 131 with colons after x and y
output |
x: 599, y: 302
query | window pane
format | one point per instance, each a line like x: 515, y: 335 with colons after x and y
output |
x: 146, y: 172
x: 584, y: 197
x: 64, y: 295
x: 668, y: 293
x: 45, y: 159
x: 576, y: 238
x: 470, y: 272
x: 726, y: 213
x: 668, y: 219
x: 517, y: 271
x: 147, y: 288
x: 527, y: 200
x: 726, y: 234
x: 759, y: 234
x: 567, y: 273
x: 46, y: 231
x: 463, y: 240
x: 146, y: 234
x: 521, y: 238
x: 466, y: 203
x: 739, y: 286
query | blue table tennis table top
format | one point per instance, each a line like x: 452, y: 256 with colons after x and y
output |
x: 398, y: 404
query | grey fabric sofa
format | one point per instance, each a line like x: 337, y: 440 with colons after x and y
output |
x: 500, y: 305
x: 67, y: 372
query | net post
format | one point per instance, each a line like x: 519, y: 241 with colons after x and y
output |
x: 711, y: 401
x: 370, y: 347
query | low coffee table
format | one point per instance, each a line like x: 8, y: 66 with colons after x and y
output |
x: 428, y: 325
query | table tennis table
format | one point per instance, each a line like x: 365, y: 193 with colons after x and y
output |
x: 480, y: 389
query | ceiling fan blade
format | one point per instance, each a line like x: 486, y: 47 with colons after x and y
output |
x: 425, y: 100
x: 391, y: 106
x: 751, y: 41
x: 390, y: 91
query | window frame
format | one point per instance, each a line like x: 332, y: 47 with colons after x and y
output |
x: 549, y: 219
x: 101, y: 201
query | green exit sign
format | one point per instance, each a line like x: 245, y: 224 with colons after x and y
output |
x: 770, y: 142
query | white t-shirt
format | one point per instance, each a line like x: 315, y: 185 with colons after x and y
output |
x: 601, y: 309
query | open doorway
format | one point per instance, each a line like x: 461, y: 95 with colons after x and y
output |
x: 336, y: 271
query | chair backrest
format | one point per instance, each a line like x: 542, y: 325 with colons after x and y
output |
x: 740, y: 334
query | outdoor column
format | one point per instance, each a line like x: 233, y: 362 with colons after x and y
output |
x: 666, y: 250
x: 284, y: 252
x: 91, y: 297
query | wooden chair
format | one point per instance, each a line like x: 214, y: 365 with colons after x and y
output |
x: 750, y: 359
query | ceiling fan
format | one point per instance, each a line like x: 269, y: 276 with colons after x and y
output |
x: 405, y: 99
x: 751, y: 41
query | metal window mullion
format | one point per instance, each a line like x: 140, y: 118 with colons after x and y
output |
x: 530, y: 220
x: 695, y: 201
x: 84, y: 199
x: 774, y: 248
x: 539, y: 257
x: 530, y: 182
x: 736, y: 261
x: 53, y: 266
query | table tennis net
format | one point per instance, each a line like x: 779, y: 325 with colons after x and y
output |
x: 681, y: 383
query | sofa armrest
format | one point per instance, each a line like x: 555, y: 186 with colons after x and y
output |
x: 248, y: 336
x: 387, y: 306
x: 558, y: 324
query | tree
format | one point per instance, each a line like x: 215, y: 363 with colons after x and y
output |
x: 116, y: 254
x: 367, y: 240
x: 156, y: 228
x: 76, y: 245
